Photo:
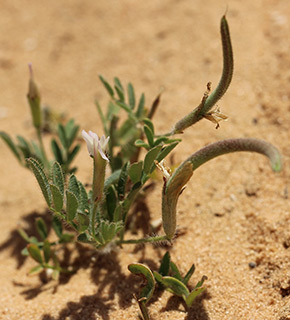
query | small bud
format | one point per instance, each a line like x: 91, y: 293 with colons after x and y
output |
x: 33, y: 97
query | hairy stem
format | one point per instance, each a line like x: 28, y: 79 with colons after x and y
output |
x: 143, y: 240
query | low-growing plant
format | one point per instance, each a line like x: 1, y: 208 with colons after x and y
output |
x: 168, y: 278
x: 99, y: 216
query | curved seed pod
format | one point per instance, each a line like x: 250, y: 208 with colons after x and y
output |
x: 170, y: 195
x: 209, y: 101
x: 233, y: 145
x: 228, y: 68
x: 174, y: 185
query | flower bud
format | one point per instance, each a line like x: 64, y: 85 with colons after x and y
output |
x: 33, y: 97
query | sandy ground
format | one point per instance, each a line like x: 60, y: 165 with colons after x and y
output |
x: 234, y: 211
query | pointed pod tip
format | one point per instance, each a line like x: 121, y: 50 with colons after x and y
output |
x: 277, y: 166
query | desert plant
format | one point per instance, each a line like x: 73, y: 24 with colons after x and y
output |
x: 98, y: 216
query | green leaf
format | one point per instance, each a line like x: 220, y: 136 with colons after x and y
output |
x: 57, y: 176
x: 83, y: 199
x: 34, y: 252
x: 34, y: 241
x: 71, y: 132
x: 120, y: 93
x: 25, y: 252
x: 119, y: 89
x: 200, y: 283
x: 161, y: 140
x: 83, y: 237
x: 24, y: 235
x: 124, y: 106
x: 128, y: 131
x: 112, y: 111
x: 36, y: 150
x: 143, y: 271
x: 189, y: 274
x: 118, y: 213
x: 193, y: 294
x: 41, y: 228
x: 140, y: 109
x: 165, y: 264
x: 176, y: 286
x: 70, y: 127
x: 175, y: 272
x: 57, y: 226
x: 149, y: 159
x: 107, y: 86
x: 72, y: 154
x: 141, y: 143
x: 107, y: 231
x: 111, y: 201
x: 10, y: 144
x: 73, y: 185
x: 71, y: 205
x: 66, y: 238
x: 25, y: 147
x: 56, y: 151
x: 166, y: 150
x: 135, y: 171
x: 158, y: 277
x: 41, y: 179
x: 62, y: 136
x: 46, y: 251
x: 118, y: 83
x: 112, y: 179
x: 83, y: 222
x: 149, y: 135
x: 35, y: 270
x: 131, y: 95
x: 122, y: 181
x: 149, y: 124
x: 57, y: 197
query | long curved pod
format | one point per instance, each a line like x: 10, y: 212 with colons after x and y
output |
x: 174, y: 185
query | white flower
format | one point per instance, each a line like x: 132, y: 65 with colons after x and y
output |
x: 165, y: 170
x: 94, y: 144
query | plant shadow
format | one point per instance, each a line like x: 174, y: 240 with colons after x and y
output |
x: 15, y: 243
x: 111, y: 283
x: 113, y: 286
x: 196, y: 312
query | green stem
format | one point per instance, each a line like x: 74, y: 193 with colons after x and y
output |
x: 144, y: 311
x: 143, y: 240
x: 93, y: 220
x: 98, y: 188
x: 42, y: 149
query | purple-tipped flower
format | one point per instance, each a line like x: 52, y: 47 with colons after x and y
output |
x: 94, y: 144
